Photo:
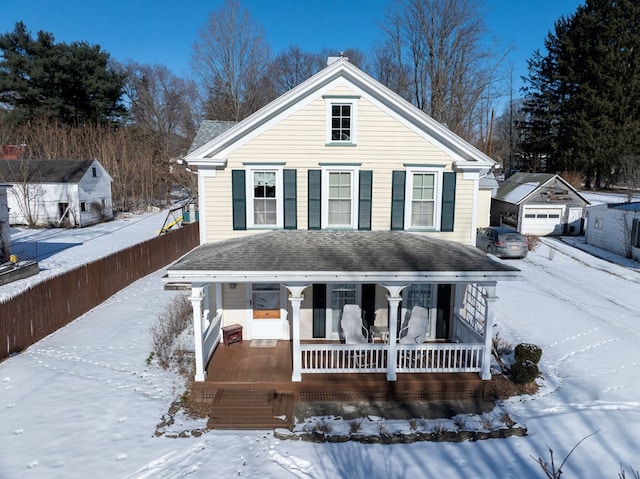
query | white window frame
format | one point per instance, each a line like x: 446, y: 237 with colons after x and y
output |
x: 354, y: 171
x: 330, y: 101
x: 437, y: 200
x: 279, y: 197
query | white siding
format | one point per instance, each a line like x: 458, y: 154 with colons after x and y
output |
x: 606, y: 228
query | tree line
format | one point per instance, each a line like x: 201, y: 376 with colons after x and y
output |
x: 577, y: 115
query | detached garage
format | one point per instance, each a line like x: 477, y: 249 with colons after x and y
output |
x: 539, y: 204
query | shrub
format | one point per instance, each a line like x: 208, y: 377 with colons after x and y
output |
x: 524, y: 372
x: 532, y: 242
x: 527, y: 352
x: 165, y: 333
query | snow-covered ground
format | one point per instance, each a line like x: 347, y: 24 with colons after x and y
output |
x: 83, y: 402
x: 59, y: 249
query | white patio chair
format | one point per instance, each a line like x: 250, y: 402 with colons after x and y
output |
x: 416, y: 331
x: 352, y: 327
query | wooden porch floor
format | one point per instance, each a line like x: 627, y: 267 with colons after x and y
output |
x: 242, y: 367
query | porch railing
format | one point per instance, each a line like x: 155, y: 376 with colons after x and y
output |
x: 373, y: 358
x: 344, y: 358
x: 439, y: 358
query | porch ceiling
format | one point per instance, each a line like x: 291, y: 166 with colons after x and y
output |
x: 329, y: 256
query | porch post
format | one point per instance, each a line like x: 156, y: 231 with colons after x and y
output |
x: 197, y: 296
x: 394, y: 299
x: 490, y: 301
x: 296, y: 298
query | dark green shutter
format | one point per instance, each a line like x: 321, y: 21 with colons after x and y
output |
x: 448, y: 201
x: 364, y: 201
x: 319, y: 310
x: 315, y: 195
x: 290, y: 201
x: 397, y: 200
x: 238, y: 196
x: 635, y: 241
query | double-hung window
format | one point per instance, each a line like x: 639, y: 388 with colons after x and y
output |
x: 341, y: 120
x: 423, y: 188
x: 340, y: 198
x: 264, y: 191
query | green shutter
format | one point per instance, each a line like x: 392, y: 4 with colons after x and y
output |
x: 319, y: 310
x: 397, y: 200
x: 635, y: 240
x: 238, y: 196
x: 290, y: 201
x: 364, y: 201
x: 315, y: 195
x: 448, y: 201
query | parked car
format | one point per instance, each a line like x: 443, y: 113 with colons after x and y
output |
x: 502, y: 242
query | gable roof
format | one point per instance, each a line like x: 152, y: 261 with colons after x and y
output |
x: 209, y: 129
x: 520, y: 186
x: 43, y: 171
x: 326, y: 256
x: 465, y: 155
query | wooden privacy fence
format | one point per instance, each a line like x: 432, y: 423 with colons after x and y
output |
x: 45, y: 307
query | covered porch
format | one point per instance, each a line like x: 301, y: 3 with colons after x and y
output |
x: 389, y: 262
x: 240, y: 366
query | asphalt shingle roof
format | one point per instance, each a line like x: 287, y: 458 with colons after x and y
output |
x: 43, y: 171
x: 208, y: 130
x: 338, y: 251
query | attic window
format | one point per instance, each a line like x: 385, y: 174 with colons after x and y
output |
x: 341, y: 120
x: 94, y: 171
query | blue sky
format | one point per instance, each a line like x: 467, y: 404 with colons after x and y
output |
x: 163, y: 31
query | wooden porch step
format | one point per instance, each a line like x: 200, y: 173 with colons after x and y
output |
x: 251, y: 409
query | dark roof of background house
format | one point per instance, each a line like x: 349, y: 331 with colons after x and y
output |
x: 43, y: 171
x: 323, y: 250
x: 208, y: 130
x: 633, y: 206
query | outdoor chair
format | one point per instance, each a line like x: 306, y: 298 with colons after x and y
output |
x: 416, y: 331
x: 352, y: 327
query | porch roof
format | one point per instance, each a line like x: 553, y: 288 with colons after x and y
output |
x: 301, y: 256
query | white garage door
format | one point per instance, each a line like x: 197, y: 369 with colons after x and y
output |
x: 542, y: 221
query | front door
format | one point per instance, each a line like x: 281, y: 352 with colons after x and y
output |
x: 266, y: 320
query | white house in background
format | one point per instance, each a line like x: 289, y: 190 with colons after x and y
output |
x: 57, y: 192
x: 338, y: 193
x: 539, y: 204
x: 615, y: 227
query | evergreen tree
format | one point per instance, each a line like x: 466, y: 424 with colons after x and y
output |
x: 583, y: 96
x: 73, y: 83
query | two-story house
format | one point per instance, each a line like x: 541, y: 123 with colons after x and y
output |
x: 338, y: 193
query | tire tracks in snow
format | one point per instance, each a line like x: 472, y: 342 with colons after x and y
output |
x: 623, y: 307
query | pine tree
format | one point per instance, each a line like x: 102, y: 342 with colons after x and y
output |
x: 73, y: 83
x: 583, y: 96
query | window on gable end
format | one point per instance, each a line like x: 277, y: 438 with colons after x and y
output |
x: 341, y: 120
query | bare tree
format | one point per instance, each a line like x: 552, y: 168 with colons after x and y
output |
x: 231, y: 57
x: 162, y: 107
x: 27, y: 190
x: 434, y: 55
x: 291, y: 67
x: 629, y: 175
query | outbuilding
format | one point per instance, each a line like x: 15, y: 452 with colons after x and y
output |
x: 57, y: 192
x: 539, y: 204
